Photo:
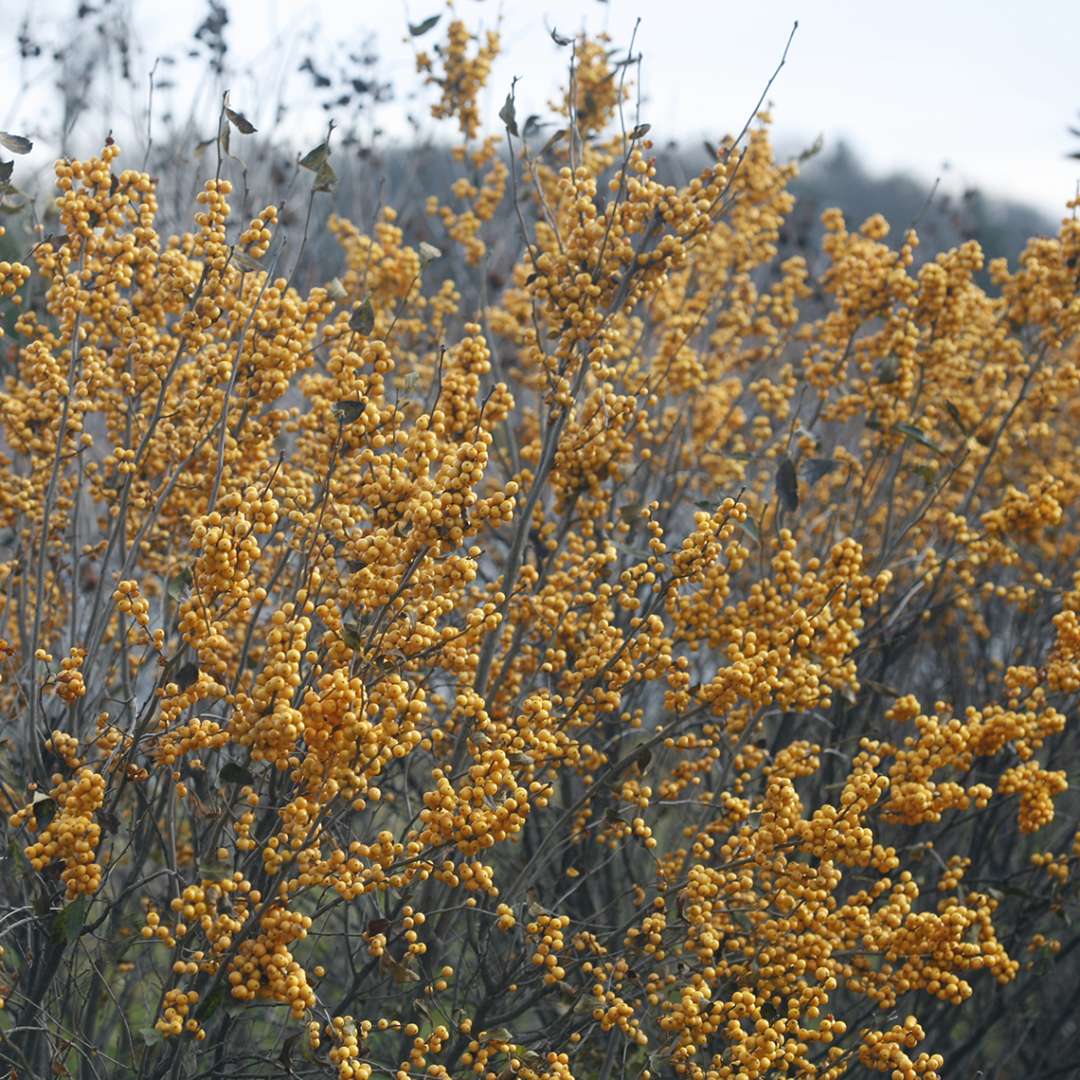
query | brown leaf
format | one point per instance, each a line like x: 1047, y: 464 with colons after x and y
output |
x: 240, y: 122
x: 17, y: 144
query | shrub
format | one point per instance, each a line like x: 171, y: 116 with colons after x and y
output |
x: 658, y: 663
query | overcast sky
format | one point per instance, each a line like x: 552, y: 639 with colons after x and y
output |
x: 976, y: 93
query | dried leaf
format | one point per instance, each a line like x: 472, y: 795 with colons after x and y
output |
x: 640, y: 131
x: 813, y: 149
x: 957, y: 419
x: 507, y: 114
x: 559, y: 39
x: 815, y: 468
x: 337, y: 290
x: 240, y: 122
x: 362, y: 319
x: 246, y: 261
x: 187, y: 676
x: 210, y: 1004
x: 787, y: 485
x: 398, y: 971
x: 285, y: 1057
x: 68, y: 922
x: 17, y: 144
x: 428, y: 252
x: 5, y: 170
x: 352, y: 633
x: 178, y: 584
x: 914, y: 433
x: 888, y: 370
x: 422, y: 27
x: 325, y: 178
x: 560, y: 134
x: 348, y: 412
x: 234, y: 773
x: 750, y: 527
x: 314, y: 159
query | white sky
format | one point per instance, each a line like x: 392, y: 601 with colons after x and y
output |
x: 979, y: 93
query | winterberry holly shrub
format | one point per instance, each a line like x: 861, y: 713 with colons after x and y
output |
x: 662, y: 662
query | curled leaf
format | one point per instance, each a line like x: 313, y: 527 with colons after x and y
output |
x: 325, y: 177
x: 507, y: 114
x: 787, y: 485
x: 560, y: 134
x: 351, y: 634
x: 957, y: 419
x: 428, y: 252
x: 559, y: 39
x: 240, y: 122
x: 178, y: 584
x: 815, y: 468
x: 314, y: 159
x: 424, y: 25
x: 362, y: 320
x: 888, y: 371
x: 348, y: 412
x: 246, y: 261
x: 399, y: 972
x: 640, y: 131
x: 813, y: 149
x: 915, y: 434
x: 750, y: 527
x: 17, y: 144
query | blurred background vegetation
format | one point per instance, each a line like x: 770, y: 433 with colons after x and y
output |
x: 83, y: 73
